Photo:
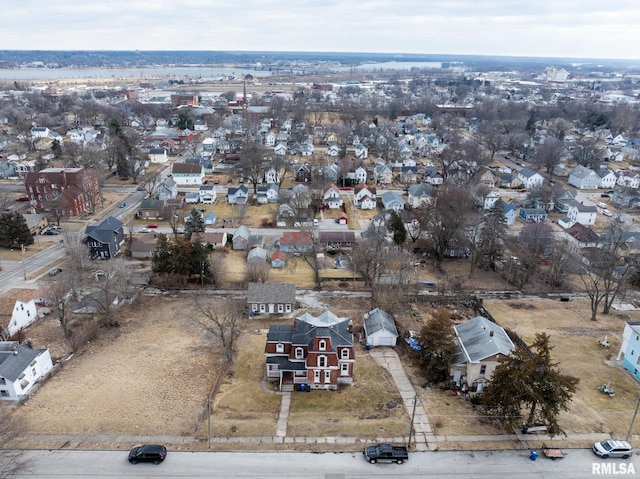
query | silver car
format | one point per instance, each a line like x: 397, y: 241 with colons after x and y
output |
x: 612, y: 448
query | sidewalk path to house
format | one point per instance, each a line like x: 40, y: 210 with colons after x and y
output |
x: 424, y: 436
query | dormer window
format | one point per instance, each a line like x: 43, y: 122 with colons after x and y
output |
x: 322, y: 345
x: 299, y: 353
x: 344, y: 354
x: 279, y: 348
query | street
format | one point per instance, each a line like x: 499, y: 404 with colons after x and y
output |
x: 577, y: 464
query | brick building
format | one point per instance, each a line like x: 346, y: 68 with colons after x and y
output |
x: 73, y: 191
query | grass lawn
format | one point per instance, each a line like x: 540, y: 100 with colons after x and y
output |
x: 371, y: 407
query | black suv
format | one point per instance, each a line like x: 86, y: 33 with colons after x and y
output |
x: 150, y: 453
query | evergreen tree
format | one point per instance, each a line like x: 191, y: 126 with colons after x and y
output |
x: 396, y: 226
x: 14, y: 231
x: 492, y: 235
x: 194, y: 223
x: 438, y: 346
x: 532, y: 383
x: 161, y: 261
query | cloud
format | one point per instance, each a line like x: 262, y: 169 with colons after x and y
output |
x: 579, y: 28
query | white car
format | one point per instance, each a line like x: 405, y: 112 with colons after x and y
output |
x: 607, y: 213
x: 611, y: 448
x: 144, y: 230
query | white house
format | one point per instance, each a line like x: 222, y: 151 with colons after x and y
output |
x: 530, y: 178
x: 200, y: 125
x: 188, y: 174
x: 628, y: 178
x: 267, y: 193
x: 207, y: 194
x: 380, y: 328
x: 21, y: 368
x: 40, y: 132
x: 364, y: 197
x: 158, y: 155
x: 280, y: 149
x: 24, y: 314
x: 383, y: 174
x: 237, y: 196
x: 584, y: 178
x: 392, y: 201
x: 333, y: 150
x: 583, y: 214
x: 270, y: 139
x: 607, y: 179
x: 419, y: 195
x: 272, y: 176
x: 490, y: 200
x: 331, y: 196
x: 361, y: 151
x: 359, y: 175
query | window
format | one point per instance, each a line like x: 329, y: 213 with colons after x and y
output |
x: 262, y: 308
x: 344, y: 370
x: 279, y: 348
x: 638, y: 361
x: 4, y: 393
x: 24, y: 384
x: 322, y: 345
x: 633, y: 352
x: 322, y: 361
x: 327, y: 376
x: 483, y: 369
x: 3, y: 381
x: 299, y: 353
x: 316, y: 376
x: 344, y: 354
x: 280, y: 308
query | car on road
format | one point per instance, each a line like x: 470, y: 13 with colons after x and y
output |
x: 51, y: 231
x: 612, y: 448
x: 609, y: 192
x: 523, y: 190
x: 607, y: 213
x: 122, y: 205
x: 54, y: 271
x: 148, y: 453
x: 144, y: 230
x: 605, y: 195
x: 22, y: 198
x: 152, y: 225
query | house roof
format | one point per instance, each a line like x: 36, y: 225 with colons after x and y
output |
x: 421, y: 189
x: 103, y: 231
x: 379, y: 320
x: 13, y: 362
x: 336, y: 236
x: 271, y: 293
x: 581, y: 172
x: 583, y: 234
x: 186, y: 168
x: 242, y: 232
x: 527, y: 172
x: 296, y: 239
x: 480, y: 338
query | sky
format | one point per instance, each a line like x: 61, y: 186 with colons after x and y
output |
x: 608, y: 29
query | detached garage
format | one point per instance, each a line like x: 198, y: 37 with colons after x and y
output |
x: 380, y: 328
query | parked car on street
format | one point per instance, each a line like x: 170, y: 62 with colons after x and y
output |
x: 148, y: 453
x: 612, y: 448
x: 23, y: 198
x: 153, y: 225
x: 386, y: 453
x: 54, y: 271
x: 144, y: 230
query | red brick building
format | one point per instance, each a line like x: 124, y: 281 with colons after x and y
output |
x: 73, y: 191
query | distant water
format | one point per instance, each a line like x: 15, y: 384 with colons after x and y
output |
x: 204, y: 73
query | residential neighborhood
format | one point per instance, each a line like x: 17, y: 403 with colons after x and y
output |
x: 306, y: 255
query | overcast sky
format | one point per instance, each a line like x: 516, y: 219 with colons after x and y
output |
x: 555, y: 28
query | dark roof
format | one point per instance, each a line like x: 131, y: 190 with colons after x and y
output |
x: 103, y: 231
x: 14, y: 362
x: 280, y: 333
x: 271, y: 293
x: 285, y: 365
x: 186, y: 168
x: 337, y: 236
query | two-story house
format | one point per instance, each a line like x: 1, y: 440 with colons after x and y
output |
x: 630, y: 348
x: 530, y: 178
x: 583, y: 214
x: 104, y: 239
x: 628, y: 178
x: 21, y: 368
x: 584, y: 178
x: 188, y: 174
x: 207, y: 194
x: 364, y: 197
x: 237, y: 196
x: 607, y: 179
x: 313, y: 352
x: 419, y: 195
x: 331, y: 197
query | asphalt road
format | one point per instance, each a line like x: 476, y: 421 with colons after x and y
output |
x: 577, y: 464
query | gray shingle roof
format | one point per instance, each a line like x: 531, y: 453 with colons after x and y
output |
x: 271, y: 293
x: 13, y: 363
x: 103, y: 231
x: 480, y: 338
x: 377, y: 320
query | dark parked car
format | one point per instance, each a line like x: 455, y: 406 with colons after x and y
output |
x: 605, y: 195
x: 149, y: 453
x: 54, y: 271
x: 23, y: 198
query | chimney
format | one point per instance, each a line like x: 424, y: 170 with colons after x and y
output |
x: 350, y: 328
x: 491, y: 333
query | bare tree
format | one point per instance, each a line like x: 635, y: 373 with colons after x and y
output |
x: 258, y: 272
x: 222, y: 319
x: 588, y: 152
x: 151, y: 182
x: 111, y: 282
x: 548, y: 154
x: 252, y: 165
x: 60, y: 294
x: 562, y: 263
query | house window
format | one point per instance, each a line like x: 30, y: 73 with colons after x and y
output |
x: 262, y: 308
x: 299, y: 353
x: 287, y: 308
x: 637, y: 338
x: 280, y: 308
x: 638, y: 361
x: 327, y: 376
x: 4, y: 393
x: 633, y: 352
x: 24, y: 384
x: 316, y: 376
x: 344, y: 354
x: 344, y: 370
x: 279, y: 348
x: 322, y: 361
x: 33, y: 371
x: 483, y: 369
x: 322, y: 345
x: 3, y: 381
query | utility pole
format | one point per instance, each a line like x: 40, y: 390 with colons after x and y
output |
x: 633, y: 419
x: 24, y: 266
x: 413, y: 416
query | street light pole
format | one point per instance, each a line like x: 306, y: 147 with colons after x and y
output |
x: 24, y: 266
